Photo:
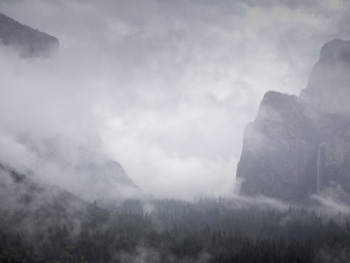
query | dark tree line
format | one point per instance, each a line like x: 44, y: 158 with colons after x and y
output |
x: 177, y: 231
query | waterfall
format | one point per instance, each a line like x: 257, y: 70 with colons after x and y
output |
x: 319, y: 163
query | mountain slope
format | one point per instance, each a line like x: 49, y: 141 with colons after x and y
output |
x: 299, y: 146
x: 77, y: 166
x: 31, y: 209
x: 29, y: 41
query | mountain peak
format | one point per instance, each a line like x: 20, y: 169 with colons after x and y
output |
x: 277, y: 99
x: 336, y: 51
x: 329, y: 83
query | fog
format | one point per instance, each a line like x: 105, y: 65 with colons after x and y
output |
x: 163, y: 87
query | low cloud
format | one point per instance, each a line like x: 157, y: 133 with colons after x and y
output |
x: 165, y: 88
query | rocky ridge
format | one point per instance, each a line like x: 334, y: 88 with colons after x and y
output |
x: 30, y: 42
x: 300, y: 146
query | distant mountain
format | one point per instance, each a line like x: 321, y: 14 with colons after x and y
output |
x: 79, y: 167
x: 300, y: 146
x: 74, y: 164
x: 29, y: 41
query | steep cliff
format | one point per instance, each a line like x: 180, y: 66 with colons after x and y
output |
x: 29, y: 41
x: 329, y: 83
x: 299, y: 146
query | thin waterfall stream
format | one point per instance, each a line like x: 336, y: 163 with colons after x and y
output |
x: 319, y: 168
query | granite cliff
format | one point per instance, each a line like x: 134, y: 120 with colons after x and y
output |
x: 29, y: 41
x: 300, y: 146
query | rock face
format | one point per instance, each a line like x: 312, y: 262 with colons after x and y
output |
x: 299, y: 146
x: 29, y: 41
x: 329, y: 83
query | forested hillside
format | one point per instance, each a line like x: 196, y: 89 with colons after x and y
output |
x: 177, y: 231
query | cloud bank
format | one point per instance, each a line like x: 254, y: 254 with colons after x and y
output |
x: 164, y: 87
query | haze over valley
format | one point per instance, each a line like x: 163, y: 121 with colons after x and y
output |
x: 163, y: 131
x: 167, y: 92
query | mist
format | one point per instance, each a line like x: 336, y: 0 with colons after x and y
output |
x: 165, y: 88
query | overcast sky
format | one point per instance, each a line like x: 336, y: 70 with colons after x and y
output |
x: 169, y: 84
